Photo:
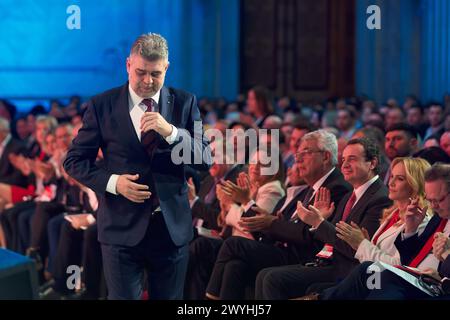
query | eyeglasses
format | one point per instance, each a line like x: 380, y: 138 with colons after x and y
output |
x: 436, y: 202
x: 307, y: 153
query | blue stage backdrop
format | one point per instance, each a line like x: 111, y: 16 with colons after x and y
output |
x: 41, y: 57
x: 410, y: 54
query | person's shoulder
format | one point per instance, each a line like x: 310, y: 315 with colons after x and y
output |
x: 179, y: 93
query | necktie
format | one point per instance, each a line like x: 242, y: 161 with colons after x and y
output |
x: 308, y: 196
x: 305, y: 202
x: 348, y: 206
x: 150, y: 139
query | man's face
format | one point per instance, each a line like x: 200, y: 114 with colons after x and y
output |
x: 355, y: 167
x: 310, y: 161
x: 398, y: 144
x: 294, y: 175
x: 438, y: 197
x: 63, y: 138
x: 445, y: 142
x: 393, y: 116
x: 435, y: 116
x: 146, y: 77
x: 414, y: 117
x: 343, y: 121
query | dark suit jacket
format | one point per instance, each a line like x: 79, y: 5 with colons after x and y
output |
x: 366, y: 213
x: 107, y: 125
x: 297, y: 233
x: 409, y: 248
x: 9, y: 174
x: 444, y: 268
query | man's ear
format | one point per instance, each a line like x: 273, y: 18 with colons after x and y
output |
x: 128, y: 62
x: 373, y: 163
x: 167, y: 65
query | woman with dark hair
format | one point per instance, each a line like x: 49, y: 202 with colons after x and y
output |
x: 259, y: 104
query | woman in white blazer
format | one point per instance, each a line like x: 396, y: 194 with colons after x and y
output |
x: 407, y: 183
x: 253, y: 189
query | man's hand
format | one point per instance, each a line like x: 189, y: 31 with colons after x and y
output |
x: 322, y: 202
x: 352, y: 234
x: 309, y: 216
x: 79, y: 221
x: 155, y: 121
x: 238, y: 194
x: 414, y: 216
x: 131, y: 190
x: 191, y: 189
x: 441, y: 246
x: 260, y: 222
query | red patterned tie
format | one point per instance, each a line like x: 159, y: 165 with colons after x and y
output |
x: 150, y: 139
x: 348, y: 206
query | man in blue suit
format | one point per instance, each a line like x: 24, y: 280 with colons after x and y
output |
x: 144, y: 219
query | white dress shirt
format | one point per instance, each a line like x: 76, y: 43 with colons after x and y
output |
x: 137, y: 110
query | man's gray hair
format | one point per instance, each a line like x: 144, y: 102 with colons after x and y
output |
x: 4, y: 125
x: 151, y: 46
x: 326, y: 141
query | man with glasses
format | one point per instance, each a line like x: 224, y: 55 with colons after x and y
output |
x: 286, y: 239
x: 363, y: 206
x: 431, y: 248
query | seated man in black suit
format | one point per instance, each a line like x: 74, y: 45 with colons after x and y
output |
x: 316, y: 160
x: 363, y: 206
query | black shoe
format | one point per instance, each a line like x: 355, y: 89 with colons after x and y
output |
x: 34, y: 254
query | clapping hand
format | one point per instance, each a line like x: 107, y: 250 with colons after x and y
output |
x: 240, y: 193
x: 322, y: 203
x: 414, y: 215
x: 260, y: 222
x: 352, y: 234
x: 441, y: 246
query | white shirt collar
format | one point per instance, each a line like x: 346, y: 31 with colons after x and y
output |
x: 363, y: 188
x: 135, y: 100
x: 319, y: 182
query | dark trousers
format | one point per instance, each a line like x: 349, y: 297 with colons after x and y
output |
x: 287, y: 282
x: 24, y: 229
x: 360, y: 284
x: 39, y: 235
x: 9, y: 220
x: 165, y: 263
x: 237, y: 264
x: 92, y: 262
x: 202, y: 256
x: 68, y: 253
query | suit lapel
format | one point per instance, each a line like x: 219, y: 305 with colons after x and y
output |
x: 125, y: 125
x: 360, y: 205
x: 166, y: 102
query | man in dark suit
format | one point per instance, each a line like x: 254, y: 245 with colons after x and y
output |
x: 316, y: 160
x: 9, y: 145
x: 415, y: 250
x: 363, y: 206
x: 144, y: 219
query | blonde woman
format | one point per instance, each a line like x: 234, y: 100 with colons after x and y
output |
x: 406, y: 185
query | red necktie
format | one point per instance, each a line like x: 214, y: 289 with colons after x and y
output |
x: 348, y: 206
x: 150, y: 139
